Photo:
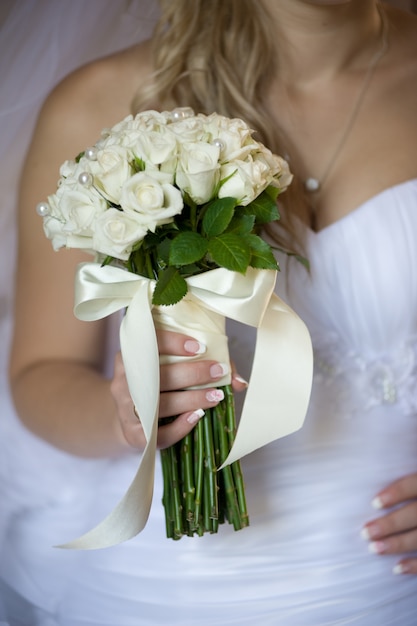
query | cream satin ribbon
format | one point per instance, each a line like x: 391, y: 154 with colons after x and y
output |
x: 280, y: 383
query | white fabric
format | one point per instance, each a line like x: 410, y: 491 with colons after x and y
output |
x: 301, y: 562
x: 40, y: 42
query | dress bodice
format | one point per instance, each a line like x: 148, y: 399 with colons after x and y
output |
x: 363, y: 283
x: 360, y: 299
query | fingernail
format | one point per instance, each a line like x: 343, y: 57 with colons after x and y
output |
x: 401, y: 568
x: 239, y: 379
x: 215, y: 395
x: 194, y: 347
x: 378, y: 503
x: 219, y: 369
x: 194, y: 417
x: 377, y: 547
x: 370, y: 531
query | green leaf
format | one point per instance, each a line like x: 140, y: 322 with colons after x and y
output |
x: 138, y: 164
x: 264, y: 208
x: 217, y: 216
x: 186, y: 248
x: 190, y: 270
x: 262, y: 257
x: 241, y: 224
x: 230, y: 251
x: 272, y: 191
x: 170, y: 287
x: 163, y: 251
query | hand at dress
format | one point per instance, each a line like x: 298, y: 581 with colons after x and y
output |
x: 187, y: 406
x: 395, y: 532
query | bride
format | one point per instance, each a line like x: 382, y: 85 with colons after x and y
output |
x: 333, y: 86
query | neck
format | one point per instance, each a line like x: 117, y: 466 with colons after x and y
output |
x: 315, y: 42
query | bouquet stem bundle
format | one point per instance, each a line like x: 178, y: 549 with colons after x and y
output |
x: 197, y: 496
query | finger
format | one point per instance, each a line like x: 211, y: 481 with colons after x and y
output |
x: 178, y: 429
x: 191, y: 374
x: 395, y: 544
x: 399, y: 491
x: 131, y: 426
x: 179, y: 402
x: 178, y: 344
x: 239, y: 383
x: 406, y: 566
x: 398, y: 521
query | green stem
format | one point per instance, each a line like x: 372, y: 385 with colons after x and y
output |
x: 236, y: 465
x: 167, y: 493
x: 187, y: 474
x: 231, y: 503
x: 210, y: 472
x: 198, y: 475
x: 197, y: 497
x: 176, y: 493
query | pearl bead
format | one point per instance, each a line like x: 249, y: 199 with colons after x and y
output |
x: 219, y: 144
x: 43, y: 209
x: 91, y: 154
x: 181, y: 113
x: 85, y: 179
x: 312, y: 184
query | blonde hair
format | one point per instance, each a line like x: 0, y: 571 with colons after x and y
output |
x: 219, y: 55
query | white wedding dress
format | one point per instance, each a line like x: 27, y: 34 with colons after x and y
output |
x: 302, y: 561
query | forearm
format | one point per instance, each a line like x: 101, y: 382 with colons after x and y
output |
x: 69, y: 405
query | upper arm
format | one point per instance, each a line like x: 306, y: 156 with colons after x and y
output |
x: 70, y: 120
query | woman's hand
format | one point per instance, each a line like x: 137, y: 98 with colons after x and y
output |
x: 188, y: 405
x: 395, y: 532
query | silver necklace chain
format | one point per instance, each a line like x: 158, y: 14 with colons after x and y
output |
x: 312, y: 184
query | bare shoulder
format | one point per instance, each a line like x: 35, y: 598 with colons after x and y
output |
x: 95, y: 96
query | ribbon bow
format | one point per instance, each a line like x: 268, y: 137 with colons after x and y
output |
x: 280, y: 383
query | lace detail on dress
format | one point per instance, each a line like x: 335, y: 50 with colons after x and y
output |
x: 361, y: 382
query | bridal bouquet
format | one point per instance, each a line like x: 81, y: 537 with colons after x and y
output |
x: 168, y: 197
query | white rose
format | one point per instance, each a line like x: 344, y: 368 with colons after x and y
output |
x: 146, y: 121
x: 234, y: 134
x: 116, y: 232
x: 68, y: 168
x: 151, y: 198
x: 247, y: 180
x: 73, y: 211
x: 285, y: 176
x: 110, y: 170
x: 190, y: 129
x: 52, y: 228
x: 198, y: 170
x: 156, y: 148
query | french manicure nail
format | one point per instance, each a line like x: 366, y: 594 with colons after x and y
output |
x: 370, y: 531
x: 219, y: 369
x: 377, y: 547
x: 194, y: 347
x: 239, y: 379
x: 194, y: 417
x: 365, y: 534
x: 377, y: 503
x: 215, y: 395
x: 401, y: 568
